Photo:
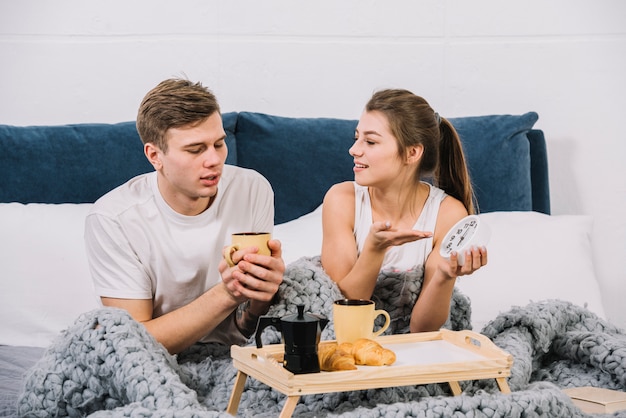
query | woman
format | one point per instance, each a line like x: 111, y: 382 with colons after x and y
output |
x: 388, y: 217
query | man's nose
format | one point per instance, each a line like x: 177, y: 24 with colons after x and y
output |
x: 211, y: 158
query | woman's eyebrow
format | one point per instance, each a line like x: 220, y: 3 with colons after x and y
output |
x: 371, y: 132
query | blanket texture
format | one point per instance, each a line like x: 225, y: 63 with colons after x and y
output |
x: 106, y: 364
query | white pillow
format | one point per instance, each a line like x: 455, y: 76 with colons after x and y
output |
x: 533, y: 257
x: 45, y: 281
x: 301, y: 237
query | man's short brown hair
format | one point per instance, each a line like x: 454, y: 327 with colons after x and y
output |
x: 173, y: 103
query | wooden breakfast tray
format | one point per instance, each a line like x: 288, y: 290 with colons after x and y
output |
x: 421, y: 358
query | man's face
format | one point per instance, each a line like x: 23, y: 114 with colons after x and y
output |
x: 188, y: 174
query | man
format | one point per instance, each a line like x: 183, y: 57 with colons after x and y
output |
x: 155, y: 243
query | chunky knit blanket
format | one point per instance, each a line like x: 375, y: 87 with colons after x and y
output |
x: 106, y: 364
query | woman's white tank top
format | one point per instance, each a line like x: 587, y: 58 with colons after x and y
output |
x: 407, y: 256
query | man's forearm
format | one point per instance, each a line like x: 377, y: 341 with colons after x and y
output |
x: 185, y: 326
x: 245, y: 320
x: 248, y: 314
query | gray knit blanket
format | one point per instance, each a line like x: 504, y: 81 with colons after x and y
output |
x: 106, y: 364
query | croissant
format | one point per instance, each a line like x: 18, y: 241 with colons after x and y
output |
x: 370, y: 353
x: 346, y: 356
x: 332, y: 358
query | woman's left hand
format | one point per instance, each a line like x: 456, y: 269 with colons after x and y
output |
x: 475, y: 258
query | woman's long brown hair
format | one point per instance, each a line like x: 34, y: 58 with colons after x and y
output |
x: 413, y: 122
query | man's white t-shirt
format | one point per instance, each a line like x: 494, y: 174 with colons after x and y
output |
x: 138, y: 247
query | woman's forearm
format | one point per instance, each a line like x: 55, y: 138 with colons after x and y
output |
x: 360, y: 282
x: 432, y: 308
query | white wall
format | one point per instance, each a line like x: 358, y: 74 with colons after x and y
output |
x: 92, y: 61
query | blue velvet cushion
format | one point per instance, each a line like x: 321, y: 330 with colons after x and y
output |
x: 75, y: 163
x: 301, y: 157
x: 69, y: 163
x: 498, y: 155
x: 229, y: 120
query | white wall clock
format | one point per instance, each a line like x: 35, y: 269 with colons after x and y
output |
x: 469, y: 231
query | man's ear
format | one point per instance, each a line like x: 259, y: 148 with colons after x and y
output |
x: 414, y: 154
x: 153, y: 154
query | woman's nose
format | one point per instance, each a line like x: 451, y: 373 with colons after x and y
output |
x: 354, y: 149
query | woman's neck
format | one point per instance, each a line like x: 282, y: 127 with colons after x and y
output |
x: 402, y: 206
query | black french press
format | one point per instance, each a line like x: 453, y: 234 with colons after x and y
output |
x: 301, y: 335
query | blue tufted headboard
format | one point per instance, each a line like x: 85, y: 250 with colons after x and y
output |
x: 301, y: 157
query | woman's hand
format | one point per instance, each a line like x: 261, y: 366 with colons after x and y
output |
x: 383, y: 236
x: 475, y: 258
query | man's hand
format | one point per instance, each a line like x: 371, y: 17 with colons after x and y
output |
x: 255, y: 277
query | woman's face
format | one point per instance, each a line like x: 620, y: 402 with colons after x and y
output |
x: 375, y: 151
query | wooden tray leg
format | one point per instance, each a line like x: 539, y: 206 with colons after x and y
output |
x: 290, y: 406
x: 235, y: 396
x: 455, y: 387
x: 503, y: 385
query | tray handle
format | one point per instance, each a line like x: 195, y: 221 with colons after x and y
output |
x: 271, y: 358
x: 476, y: 342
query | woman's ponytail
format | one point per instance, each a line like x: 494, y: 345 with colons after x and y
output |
x: 452, y: 174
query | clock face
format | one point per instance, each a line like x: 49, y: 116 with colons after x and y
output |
x: 459, y: 235
x: 467, y: 232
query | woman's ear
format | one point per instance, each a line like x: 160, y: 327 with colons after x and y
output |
x: 153, y: 154
x: 414, y: 154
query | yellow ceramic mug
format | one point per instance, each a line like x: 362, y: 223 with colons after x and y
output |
x: 247, y: 239
x: 354, y: 319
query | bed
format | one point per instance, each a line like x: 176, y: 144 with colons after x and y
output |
x: 546, y: 312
